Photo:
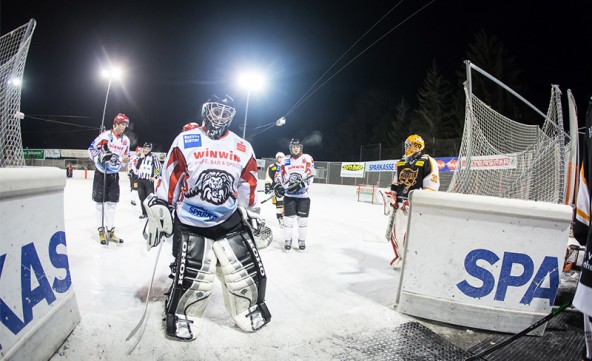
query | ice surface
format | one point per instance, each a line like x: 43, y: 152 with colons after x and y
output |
x: 340, y: 285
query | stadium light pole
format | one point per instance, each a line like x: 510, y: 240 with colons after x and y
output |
x: 110, y: 74
x: 251, y: 81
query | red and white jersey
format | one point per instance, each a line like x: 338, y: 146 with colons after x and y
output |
x: 132, y: 164
x: 119, y: 145
x: 206, y: 180
x: 293, y: 169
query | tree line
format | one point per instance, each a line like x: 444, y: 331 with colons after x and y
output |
x: 438, y: 110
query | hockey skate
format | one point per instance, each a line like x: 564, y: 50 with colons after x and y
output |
x: 133, y: 202
x: 288, y: 245
x: 301, y: 245
x: 102, y: 237
x: 112, y: 237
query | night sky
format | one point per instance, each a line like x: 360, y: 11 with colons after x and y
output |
x: 176, y: 54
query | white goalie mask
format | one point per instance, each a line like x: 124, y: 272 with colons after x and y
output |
x: 217, y: 115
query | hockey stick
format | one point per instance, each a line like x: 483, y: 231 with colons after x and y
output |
x: 142, y: 322
x: 294, y: 186
x: 105, y: 233
x: 521, y: 333
x: 105, y: 148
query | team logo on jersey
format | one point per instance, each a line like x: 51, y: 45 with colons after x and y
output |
x: 294, y: 178
x: 191, y: 140
x: 214, y: 186
x: 408, y: 177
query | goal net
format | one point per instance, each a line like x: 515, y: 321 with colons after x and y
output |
x: 503, y: 158
x: 14, y: 48
x: 369, y: 193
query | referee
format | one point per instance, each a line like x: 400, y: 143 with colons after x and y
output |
x: 148, y: 170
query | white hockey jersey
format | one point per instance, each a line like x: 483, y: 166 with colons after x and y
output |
x: 118, y: 145
x: 133, y: 162
x: 206, y: 180
x: 293, y: 170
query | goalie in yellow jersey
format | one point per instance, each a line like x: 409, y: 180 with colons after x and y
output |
x: 415, y: 171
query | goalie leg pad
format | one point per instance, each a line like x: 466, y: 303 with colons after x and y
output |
x: 398, y: 236
x: 243, y: 279
x: 192, y: 285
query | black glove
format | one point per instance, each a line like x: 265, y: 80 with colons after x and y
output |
x: 279, y: 190
x: 267, y: 188
x: 106, y: 154
x: 105, y: 157
x: 295, y: 187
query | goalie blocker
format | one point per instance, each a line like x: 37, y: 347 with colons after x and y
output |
x: 227, y: 251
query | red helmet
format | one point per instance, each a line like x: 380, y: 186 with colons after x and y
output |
x: 138, y: 149
x: 190, y: 126
x: 121, y: 118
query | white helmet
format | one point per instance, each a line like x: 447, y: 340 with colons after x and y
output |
x: 279, y: 155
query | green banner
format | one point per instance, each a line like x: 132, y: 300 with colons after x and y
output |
x: 34, y: 153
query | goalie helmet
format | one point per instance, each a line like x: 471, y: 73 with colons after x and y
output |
x: 217, y: 115
x: 413, y: 147
x: 295, y: 147
x: 121, y: 118
x: 279, y: 156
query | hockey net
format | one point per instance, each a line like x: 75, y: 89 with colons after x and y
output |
x: 503, y: 158
x: 369, y: 193
x: 14, y: 48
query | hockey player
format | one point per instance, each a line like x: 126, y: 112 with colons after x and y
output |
x: 270, y: 185
x: 132, y: 174
x: 415, y: 171
x: 148, y: 169
x: 109, y: 151
x: 209, y: 177
x: 293, y: 178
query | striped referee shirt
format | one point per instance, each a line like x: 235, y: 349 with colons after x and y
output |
x: 148, y: 167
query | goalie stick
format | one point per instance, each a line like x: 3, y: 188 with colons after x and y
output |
x: 289, y: 188
x: 520, y: 334
x: 142, y: 322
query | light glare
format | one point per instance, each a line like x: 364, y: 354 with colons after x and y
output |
x: 112, y: 74
x: 251, y: 80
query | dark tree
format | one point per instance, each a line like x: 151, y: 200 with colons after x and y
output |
x: 436, y: 119
x: 490, y: 54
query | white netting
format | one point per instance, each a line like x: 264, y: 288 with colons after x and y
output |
x: 503, y: 158
x: 368, y: 193
x: 14, y: 48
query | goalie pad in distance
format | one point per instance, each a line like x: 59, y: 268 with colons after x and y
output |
x: 160, y: 221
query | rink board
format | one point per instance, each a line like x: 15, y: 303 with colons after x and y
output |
x: 482, y: 262
x: 38, y: 306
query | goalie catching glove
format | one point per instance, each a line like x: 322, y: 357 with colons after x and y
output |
x: 262, y: 234
x: 160, y: 221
